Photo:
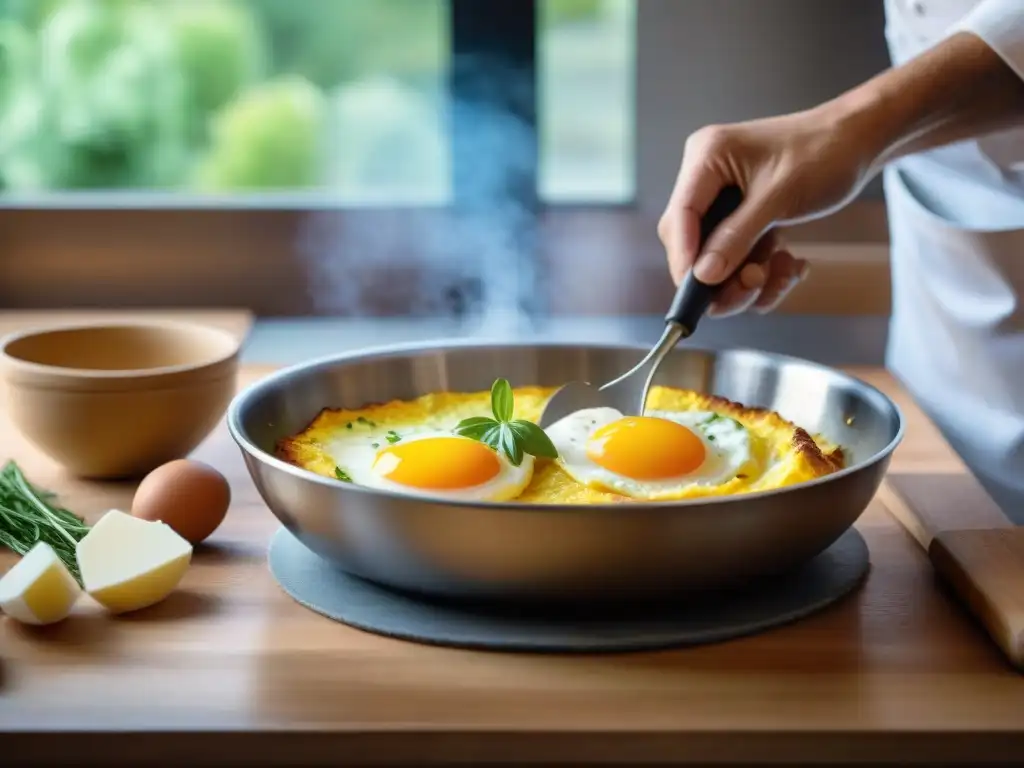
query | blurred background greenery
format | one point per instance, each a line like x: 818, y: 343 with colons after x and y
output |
x: 242, y: 95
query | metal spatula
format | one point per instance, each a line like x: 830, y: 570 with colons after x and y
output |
x: 628, y: 393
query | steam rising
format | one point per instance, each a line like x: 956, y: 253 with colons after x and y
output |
x: 473, y: 262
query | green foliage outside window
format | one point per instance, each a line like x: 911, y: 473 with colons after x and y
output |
x: 194, y: 94
x: 222, y: 95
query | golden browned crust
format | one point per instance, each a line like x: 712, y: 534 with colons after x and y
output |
x: 837, y: 457
x: 822, y: 463
x: 802, y: 442
x: 286, y: 450
x: 289, y: 448
x: 724, y: 405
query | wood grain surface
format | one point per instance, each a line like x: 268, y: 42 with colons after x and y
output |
x: 928, y: 504
x: 230, y: 671
x: 985, y: 569
x: 975, y: 549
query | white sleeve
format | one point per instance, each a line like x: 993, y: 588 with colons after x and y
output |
x: 1000, y: 23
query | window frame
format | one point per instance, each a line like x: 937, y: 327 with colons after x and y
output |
x: 170, y: 250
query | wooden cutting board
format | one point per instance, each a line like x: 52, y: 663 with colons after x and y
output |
x: 975, y: 549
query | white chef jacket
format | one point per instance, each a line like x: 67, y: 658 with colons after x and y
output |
x: 956, y: 217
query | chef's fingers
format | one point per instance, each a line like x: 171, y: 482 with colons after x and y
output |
x: 734, y: 239
x: 670, y: 231
x: 740, y: 292
x: 679, y: 232
x: 699, y: 186
x: 698, y: 183
x: 785, y: 273
x: 744, y: 288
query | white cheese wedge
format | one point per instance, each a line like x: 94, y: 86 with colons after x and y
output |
x: 39, y: 589
x: 128, y: 563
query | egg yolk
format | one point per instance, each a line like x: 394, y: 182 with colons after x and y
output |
x: 646, y: 448
x: 438, y: 463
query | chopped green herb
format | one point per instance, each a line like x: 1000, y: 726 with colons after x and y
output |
x: 366, y: 421
x: 375, y: 445
x: 349, y: 425
x: 514, y: 438
x: 392, y: 436
x: 719, y: 417
x: 342, y: 475
x: 29, y: 514
x: 711, y: 438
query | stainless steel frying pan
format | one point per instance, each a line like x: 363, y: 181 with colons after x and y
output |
x: 519, y: 551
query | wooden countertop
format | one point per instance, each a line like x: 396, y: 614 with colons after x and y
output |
x: 898, y: 671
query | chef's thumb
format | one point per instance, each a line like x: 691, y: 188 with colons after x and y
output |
x: 732, y: 241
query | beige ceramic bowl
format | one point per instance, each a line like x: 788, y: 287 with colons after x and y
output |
x: 117, y: 400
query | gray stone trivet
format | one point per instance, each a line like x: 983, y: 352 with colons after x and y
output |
x: 318, y: 585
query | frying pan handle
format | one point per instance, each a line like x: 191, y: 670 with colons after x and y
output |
x: 693, y: 297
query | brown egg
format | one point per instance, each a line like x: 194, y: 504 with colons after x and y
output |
x: 190, y: 496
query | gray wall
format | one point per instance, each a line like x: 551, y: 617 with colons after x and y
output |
x: 711, y: 61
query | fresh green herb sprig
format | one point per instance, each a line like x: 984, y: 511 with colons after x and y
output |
x: 29, y: 515
x: 514, y: 438
x: 342, y: 475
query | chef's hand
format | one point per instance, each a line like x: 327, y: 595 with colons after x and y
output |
x: 790, y: 168
x: 800, y: 166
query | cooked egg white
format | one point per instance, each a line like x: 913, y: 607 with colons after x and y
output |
x: 656, y: 456
x: 430, y: 462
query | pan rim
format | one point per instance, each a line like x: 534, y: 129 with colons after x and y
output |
x: 404, y: 349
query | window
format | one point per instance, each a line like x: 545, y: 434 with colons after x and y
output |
x: 587, y: 65
x: 374, y: 157
x: 295, y: 101
x: 321, y: 99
